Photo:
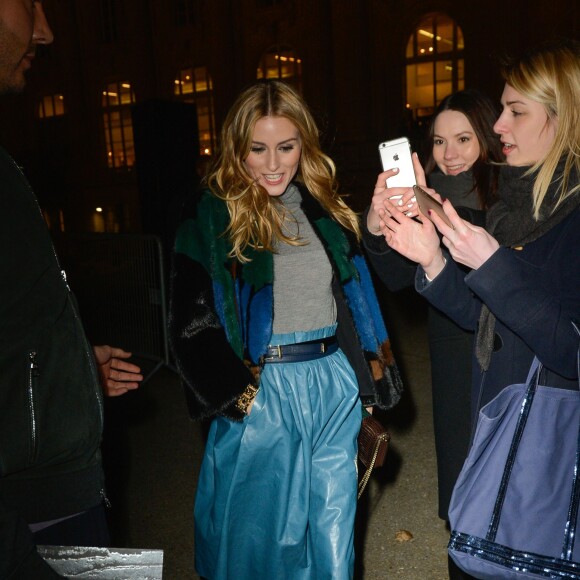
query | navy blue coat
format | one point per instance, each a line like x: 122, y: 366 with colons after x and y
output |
x: 534, y: 293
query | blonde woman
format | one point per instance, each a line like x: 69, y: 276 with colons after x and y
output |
x: 523, y: 290
x: 277, y: 333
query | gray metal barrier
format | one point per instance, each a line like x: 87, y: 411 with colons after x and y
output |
x: 119, y: 281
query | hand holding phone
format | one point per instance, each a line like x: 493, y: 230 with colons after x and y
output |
x: 427, y: 202
x: 397, y: 153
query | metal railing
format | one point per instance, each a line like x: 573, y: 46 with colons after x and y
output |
x: 119, y: 281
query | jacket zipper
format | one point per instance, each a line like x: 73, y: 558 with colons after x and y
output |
x: 32, y: 374
x: 105, y: 499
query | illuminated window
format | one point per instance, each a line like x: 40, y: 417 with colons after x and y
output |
x: 116, y: 101
x: 194, y: 85
x: 51, y: 106
x: 435, y: 64
x: 281, y: 63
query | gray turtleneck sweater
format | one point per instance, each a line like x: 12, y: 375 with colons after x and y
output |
x: 303, y: 297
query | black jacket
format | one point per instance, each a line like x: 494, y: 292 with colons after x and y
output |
x: 534, y: 292
x: 50, y: 397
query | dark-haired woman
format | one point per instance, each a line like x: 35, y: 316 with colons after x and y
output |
x: 462, y: 151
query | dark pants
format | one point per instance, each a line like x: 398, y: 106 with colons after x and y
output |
x: 87, y: 529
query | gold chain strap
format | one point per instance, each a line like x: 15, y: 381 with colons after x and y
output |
x: 367, y: 475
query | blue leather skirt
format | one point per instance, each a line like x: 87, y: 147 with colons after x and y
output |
x: 276, y: 496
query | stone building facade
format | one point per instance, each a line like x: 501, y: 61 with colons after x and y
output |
x: 352, y: 59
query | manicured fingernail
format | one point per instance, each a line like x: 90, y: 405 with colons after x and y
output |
x: 428, y: 212
x: 396, y: 169
x: 443, y: 199
x: 400, y: 202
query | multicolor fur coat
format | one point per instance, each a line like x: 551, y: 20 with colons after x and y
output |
x: 221, y: 311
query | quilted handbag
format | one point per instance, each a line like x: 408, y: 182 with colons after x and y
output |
x: 514, y: 508
x: 373, y: 444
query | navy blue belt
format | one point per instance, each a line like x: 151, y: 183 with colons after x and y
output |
x: 300, y: 351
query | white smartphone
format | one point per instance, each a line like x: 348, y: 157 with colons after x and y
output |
x: 397, y: 153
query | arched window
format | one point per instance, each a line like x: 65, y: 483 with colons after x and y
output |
x: 435, y: 65
x: 194, y: 85
x: 51, y: 106
x: 116, y: 101
x: 281, y: 62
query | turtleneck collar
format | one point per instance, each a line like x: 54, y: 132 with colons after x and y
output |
x: 291, y: 198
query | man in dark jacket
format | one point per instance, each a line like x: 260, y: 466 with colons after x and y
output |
x: 51, y: 417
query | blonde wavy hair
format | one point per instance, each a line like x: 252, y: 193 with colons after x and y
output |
x: 550, y: 75
x: 257, y: 219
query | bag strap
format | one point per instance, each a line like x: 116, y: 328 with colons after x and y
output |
x: 571, y: 522
x: 519, y: 431
x: 570, y: 528
x: 365, y: 479
x: 536, y: 364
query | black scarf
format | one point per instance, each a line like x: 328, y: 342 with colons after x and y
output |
x: 511, y: 222
x: 458, y: 189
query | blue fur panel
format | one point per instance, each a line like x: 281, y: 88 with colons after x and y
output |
x: 364, y: 307
x: 225, y: 309
x: 368, y: 291
x: 362, y: 316
x: 260, y: 322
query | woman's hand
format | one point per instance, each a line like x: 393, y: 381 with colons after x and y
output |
x: 419, y: 171
x: 407, y: 203
x: 416, y: 240
x: 467, y: 244
x: 382, y: 193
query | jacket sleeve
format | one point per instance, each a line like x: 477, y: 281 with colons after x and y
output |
x: 449, y: 293
x: 537, y: 299
x: 214, y: 375
x: 540, y: 313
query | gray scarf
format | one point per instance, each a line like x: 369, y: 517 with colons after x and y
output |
x: 458, y: 189
x: 512, y: 223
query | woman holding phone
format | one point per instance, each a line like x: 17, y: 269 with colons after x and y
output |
x: 522, y: 288
x: 463, y: 152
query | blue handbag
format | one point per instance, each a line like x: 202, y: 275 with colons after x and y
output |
x: 514, y: 508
